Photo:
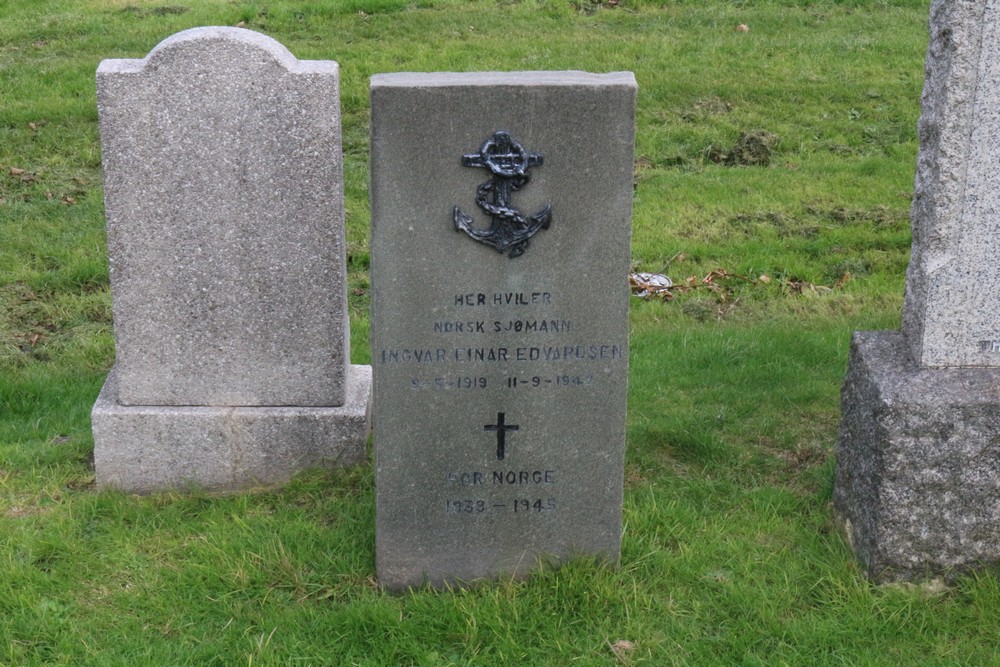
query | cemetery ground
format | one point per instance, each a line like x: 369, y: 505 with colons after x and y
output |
x: 774, y: 170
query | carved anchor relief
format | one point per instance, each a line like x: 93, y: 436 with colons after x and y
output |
x: 508, y: 163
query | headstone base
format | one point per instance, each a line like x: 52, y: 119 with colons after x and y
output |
x: 918, y: 463
x: 143, y: 449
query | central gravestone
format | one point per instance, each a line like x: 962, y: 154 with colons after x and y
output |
x: 501, y: 212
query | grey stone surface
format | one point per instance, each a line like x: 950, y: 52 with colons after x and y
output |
x: 951, y: 315
x: 918, y: 462
x: 152, y: 448
x: 918, y: 456
x: 224, y: 201
x: 469, y: 343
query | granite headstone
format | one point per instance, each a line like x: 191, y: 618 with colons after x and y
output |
x: 501, y: 212
x: 918, y: 455
x: 224, y: 203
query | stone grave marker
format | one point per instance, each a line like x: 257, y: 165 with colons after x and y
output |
x: 918, y: 456
x: 224, y: 202
x: 501, y: 213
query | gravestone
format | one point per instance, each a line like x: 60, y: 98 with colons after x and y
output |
x: 224, y: 201
x: 918, y: 456
x: 501, y: 212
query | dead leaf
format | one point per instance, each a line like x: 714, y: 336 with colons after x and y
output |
x: 743, y: 27
x: 68, y: 201
x: 241, y: 24
x: 14, y: 171
x: 719, y: 273
x: 621, y: 648
x: 764, y: 278
x: 34, y: 338
x: 802, y: 287
x: 32, y: 127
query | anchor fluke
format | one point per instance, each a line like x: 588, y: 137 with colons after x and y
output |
x: 544, y: 217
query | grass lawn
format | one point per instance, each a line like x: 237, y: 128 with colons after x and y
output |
x: 731, y: 554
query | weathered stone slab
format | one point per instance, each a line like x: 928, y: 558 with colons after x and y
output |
x: 156, y: 447
x: 918, y: 462
x: 224, y: 199
x: 500, y: 362
x: 918, y: 457
x: 952, y: 311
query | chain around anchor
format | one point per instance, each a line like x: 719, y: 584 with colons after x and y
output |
x: 508, y: 163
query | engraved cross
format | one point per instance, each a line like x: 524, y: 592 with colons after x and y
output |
x: 501, y: 430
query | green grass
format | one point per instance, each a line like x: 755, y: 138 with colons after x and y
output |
x: 730, y: 555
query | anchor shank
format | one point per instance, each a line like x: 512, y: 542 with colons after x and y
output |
x: 502, y: 192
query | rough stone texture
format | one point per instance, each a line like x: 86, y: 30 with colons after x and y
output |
x: 551, y: 326
x: 224, y: 200
x: 951, y: 316
x: 918, y: 462
x: 918, y: 457
x: 152, y: 448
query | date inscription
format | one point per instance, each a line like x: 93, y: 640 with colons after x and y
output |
x: 463, y: 382
x: 514, y: 505
x: 515, y: 482
x: 557, y: 381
